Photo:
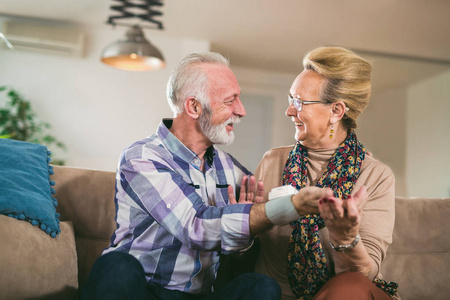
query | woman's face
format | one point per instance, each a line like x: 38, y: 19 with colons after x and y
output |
x: 312, y: 123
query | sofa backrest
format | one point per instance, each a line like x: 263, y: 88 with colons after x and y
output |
x: 419, y: 257
x: 86, y: 197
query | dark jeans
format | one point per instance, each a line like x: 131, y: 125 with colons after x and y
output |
x: 121, y: 276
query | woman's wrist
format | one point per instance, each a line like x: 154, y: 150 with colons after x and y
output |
x: 340, y: 238
x: 344, y: 247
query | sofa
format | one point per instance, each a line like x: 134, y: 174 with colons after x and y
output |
x: 35, y: 266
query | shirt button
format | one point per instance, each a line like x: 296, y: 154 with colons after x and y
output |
x: 168, y: 205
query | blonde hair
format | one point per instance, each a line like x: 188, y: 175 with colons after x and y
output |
x: 347, y: 79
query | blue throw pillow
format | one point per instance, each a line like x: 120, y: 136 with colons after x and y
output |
x: 25, y: 186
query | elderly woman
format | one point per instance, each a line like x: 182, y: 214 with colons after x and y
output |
x: 335, y: 250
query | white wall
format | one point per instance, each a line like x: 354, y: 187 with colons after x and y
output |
x: 274, y: 85
x: 428, y: 138
x: 408, y: 128
x: 94, y: 109
x: 382, y: 130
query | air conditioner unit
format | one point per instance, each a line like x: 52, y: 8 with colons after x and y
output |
x: 54, y: 39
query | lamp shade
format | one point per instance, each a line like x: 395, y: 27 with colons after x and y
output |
x: 135, y: 53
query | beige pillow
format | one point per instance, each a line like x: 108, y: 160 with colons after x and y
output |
x: 35, y: 265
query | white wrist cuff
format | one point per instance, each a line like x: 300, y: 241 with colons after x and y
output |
x: 280, y: 210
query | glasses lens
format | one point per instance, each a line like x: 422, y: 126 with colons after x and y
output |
x: 298, y: 104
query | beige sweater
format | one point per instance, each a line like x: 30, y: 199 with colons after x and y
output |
x: 377, y: 221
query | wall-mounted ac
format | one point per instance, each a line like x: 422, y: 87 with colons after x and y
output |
x: 54, y: 39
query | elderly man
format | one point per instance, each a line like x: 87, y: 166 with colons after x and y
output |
x: 174, y: 192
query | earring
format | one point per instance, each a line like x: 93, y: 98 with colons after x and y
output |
x: 331, y: 131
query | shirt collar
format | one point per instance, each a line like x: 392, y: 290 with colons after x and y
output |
x: 174, y: 145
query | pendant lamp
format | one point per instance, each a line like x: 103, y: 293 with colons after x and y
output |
x: 135, y: 52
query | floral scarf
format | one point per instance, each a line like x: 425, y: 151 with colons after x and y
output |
x: 307, y: 264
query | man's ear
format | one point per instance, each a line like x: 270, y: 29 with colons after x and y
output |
x: 193, y: 108
x: 338, y: 110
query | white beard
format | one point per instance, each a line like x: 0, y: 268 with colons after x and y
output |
x: 217, y: 134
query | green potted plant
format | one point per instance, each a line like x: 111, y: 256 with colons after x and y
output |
x: 18, y: 121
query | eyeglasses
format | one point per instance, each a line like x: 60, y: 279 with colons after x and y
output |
x: 298, y: 104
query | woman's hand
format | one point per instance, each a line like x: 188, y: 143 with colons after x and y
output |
x: 343, y: 217
x: 248, y: 196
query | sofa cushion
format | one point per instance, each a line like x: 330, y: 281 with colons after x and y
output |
x: 25, y: 185
x: 419, y: 257
x: 35, y: 266
x: 86, y: 197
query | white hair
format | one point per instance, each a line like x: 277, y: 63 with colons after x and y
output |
x: 190, y: 80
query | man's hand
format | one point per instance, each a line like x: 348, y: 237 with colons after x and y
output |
x: 249, y: 195
x: 306, y: 201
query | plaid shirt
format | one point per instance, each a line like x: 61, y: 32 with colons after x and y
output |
x: 174, y: 218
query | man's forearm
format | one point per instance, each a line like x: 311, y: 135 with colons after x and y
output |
x: 258, y: 220
x: 284, y: 210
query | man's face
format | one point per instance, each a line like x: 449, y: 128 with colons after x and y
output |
x: 217, y: 134
x: 225, y: 107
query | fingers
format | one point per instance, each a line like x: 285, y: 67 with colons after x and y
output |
x: 247, y: 194
x: 361, y: 197
x: 251, y: 188
x: 259, y: 192
x: 331, y: 208
x: 342, y: 217
x: 242, y: 194
x: 324, y: 209
x: 355, y: 203
x: 353, y: 211
x: 231, y: 198
x: 336, y: 207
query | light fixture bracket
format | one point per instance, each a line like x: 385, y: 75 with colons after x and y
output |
x: 135, y: 53
x: 127, y: 9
